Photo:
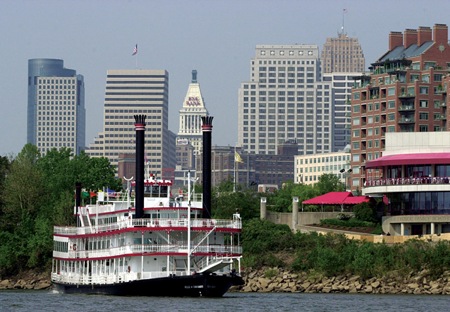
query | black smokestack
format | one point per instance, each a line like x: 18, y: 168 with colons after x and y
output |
x: 207, y: 136
x: 139, y: 126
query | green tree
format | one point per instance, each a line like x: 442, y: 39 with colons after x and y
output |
x: 328, y: 182
x: 365, y: 212
x: 24, y: 196
x: 225, y: 204
x: 281, y: 200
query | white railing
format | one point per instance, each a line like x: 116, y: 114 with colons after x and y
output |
x: 406, y: 181
x: 152, y: 248
x: 149, y: 223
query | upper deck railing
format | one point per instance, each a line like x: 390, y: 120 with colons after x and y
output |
x: 149, y: 223
x: 406, y: 181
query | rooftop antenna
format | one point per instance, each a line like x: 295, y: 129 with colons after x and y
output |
x: 343, y: 15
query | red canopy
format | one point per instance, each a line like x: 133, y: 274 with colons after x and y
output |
x: 409, y: 159
x: 336, y: 198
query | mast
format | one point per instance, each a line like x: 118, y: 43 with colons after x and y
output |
x: 207, y: 138
x: 140, y: 146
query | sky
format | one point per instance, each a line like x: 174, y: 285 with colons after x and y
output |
x: 215, y: 37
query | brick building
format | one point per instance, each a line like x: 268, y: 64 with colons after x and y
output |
x: 404, y: 92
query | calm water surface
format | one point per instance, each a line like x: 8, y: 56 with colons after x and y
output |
x: 51, y: 301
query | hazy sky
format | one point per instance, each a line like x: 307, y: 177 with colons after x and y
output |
x: 215, y: 37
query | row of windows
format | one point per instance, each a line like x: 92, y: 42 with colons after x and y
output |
x: 64, y: 105
x: 50, y: 145
x: 56, y: 83
x: 51, y: 137
x: 55, y: 118
x: 290, y: 52
x: 270, y: 149
x: 133, y: 111
x: 53, y: 97
x: 288, y: 93
x: 131, y: 118
x: 327, y: 168
x: 282, y: 69
x: 324, y: 159
x: 127, y: 142
x: 289, y: 105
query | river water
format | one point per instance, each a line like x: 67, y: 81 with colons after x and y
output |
x: 51, y: 301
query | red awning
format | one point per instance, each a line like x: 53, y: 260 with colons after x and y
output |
x: 355, y: 200
x: 332, y: 198
x: 337, y: 198
x: 409, y: 159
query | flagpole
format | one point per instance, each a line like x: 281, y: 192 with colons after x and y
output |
x: 234, y: 158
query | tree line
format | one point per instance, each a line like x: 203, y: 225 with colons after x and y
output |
x: 36, y: 193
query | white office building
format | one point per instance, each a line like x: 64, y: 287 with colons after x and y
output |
x: 285, y: 101
x: 56, y: 111
x: 341, y: 83
x: 309, y: 168
x: 136, y: 92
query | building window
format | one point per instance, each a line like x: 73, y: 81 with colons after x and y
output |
x: 423, y: 116
x: 423, y: 90
x: 423, y: 128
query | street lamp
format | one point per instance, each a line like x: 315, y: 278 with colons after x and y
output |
x: 345, y: 174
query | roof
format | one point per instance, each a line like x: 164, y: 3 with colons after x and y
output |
x: 401, y: 52
x: 409, y: 159
x: 336, y: 198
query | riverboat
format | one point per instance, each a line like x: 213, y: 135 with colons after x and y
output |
x: 146, y: 242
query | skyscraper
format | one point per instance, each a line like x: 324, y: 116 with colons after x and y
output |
x: 285, y: 101
x: 136, y: 92
x: 342, y: 84
x: 342, y: 54
x: 56, y: 112
x: 190, y: 130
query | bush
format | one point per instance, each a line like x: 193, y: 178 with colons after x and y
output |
x: 365, y: 212
x: 347, y: 223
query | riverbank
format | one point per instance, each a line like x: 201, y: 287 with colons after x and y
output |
x: 280, y: 280
x: 27, y: 280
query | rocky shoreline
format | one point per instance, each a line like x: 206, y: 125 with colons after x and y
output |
x: 279, y: 280
x: 27, y: 280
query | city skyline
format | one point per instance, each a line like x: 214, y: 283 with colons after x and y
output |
x: 216, y: 38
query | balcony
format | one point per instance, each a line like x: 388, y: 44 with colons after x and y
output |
x: 406, y: 108
x: 406, y: 96
x: 406, y: 120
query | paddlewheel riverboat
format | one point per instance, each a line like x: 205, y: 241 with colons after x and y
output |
x: 166, y: 248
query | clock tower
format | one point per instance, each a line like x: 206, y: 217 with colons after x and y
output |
x: 190, y: 130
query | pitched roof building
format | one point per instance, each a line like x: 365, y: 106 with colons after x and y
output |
x: 404, y: 92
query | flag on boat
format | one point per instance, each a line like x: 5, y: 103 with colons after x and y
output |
x: 110, y: 192
x: 238, y: 158
x: 135, y: 50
